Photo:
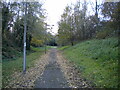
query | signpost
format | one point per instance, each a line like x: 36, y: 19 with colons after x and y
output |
x: 25, y: 27
x: 45, y: 42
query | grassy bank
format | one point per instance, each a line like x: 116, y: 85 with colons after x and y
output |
x: 97, y: 60
x: 15, y: 65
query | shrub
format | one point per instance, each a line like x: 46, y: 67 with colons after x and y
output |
x: 103, y: 34
x: 36, y: 42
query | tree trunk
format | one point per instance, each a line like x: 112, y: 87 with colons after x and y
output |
x: 72, y: 43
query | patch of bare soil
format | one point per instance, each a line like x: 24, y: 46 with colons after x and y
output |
x: 71, y: 73
x: 28, y: 79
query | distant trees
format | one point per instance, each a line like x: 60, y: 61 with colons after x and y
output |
x: 65, y: 27
x: 76, y: 25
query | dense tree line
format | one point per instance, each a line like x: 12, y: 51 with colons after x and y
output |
x: 13, y: 26
x: 76, y: 25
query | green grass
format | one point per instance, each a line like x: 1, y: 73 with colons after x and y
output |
x: 97, y: 61
x: 15, y: 65
x: 63, y: 48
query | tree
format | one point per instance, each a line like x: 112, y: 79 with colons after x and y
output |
x: 73, y: 23
x: 13, y: 24
x: 111, y: 11
x: 66, y: 27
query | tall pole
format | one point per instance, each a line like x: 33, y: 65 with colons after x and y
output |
x: 45, y: 36
x: 45, y: 42
x: 25, y: 27
x: 45, y: 46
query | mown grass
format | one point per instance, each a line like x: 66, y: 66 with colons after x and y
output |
x: 15, y: 65
x: 97, y: 61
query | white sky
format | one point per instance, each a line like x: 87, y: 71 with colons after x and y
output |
x: 55, y: 9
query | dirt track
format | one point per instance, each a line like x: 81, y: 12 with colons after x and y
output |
x: 52, y: 76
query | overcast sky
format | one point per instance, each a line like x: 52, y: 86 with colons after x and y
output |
x: 55, y: 9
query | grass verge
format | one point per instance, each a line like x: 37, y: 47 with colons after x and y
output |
x: 11, y: 66
x: 97, y: 61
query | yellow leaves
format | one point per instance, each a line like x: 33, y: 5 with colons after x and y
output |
x: 36, y: 42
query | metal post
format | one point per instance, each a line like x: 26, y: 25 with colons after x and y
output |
x: 25, y: 27
x: 45, y: 42
x: 45, y: 49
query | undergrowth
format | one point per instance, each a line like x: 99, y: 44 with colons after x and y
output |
x: 97, y: 60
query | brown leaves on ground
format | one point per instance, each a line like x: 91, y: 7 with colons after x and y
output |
x: 28, y: 79
x: 71, y: 73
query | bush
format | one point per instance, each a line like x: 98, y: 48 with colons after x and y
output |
x: 103, y: 34
x: 36, y: 42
